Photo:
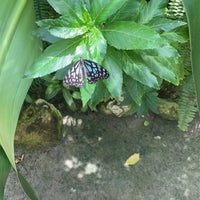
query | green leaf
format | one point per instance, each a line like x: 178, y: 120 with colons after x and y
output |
x: 163, y: 67
x: 152, y: 101
x: 14, y: 60
x: 129, y: 35
x: 76, y: 95
x: 101, y: 10
x: 135, y: 89
x: 96, y: 45
x: 149, y: 102
x: 69, y: 100
x: 86, y: 92
x: 61, y: 28
x: 187, y: 105
x: 153, y: 8
x: 166, y: 51
x: 45, y: 35
x: 18, y: 51
x: 100, y: 94
x: 4, y: 171
x: 115, y: 80
x: 129, y: 10
x: 52, y: 90
x: 70, y: 8
x: 62, y: 21
x: 192, y: 10
x: 58, y: 75
x: 174, y: 37
x: 136, y: 68
x: 164, y: 24
x: 67, y: 32
x: 29, y: 191
x: 56, y: 56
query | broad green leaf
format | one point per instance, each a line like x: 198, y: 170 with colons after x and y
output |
x: 135, y: 89
x: 129, y: 10
x: 101, y: 10
x: 61, y: 21
x: 163, y: 67
x: 153, y: 8
x: 151, y: 101
x: 62, y: 28
x: 166, y: 51
x: 174, y: 37
x: 193, y: 15
x: 115, y: 80
x: 82, y: 50
x: 67, y: 32
x: 59, y: 75
x: 4, y: 171
x: 164, y: 24
x: 52, y: 90
x: 56, y: 56
x: 100, y: 94
x: 69, y: 8
x: 141, y: 109
x: 130, y: 35
x: 134, y: 67
x: 86, y: 92
x: 44, y: 35
x: 69, y: 100
x: 96, y: 44
x: 128, y: 100
x: 132, y: 160
x: 179, y: 35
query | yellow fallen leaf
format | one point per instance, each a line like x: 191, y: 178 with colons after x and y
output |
x: 146, y: 123
x: 133, y: 159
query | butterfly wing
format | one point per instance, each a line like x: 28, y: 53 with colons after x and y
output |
x: 94, y: 72
x: 75, y: 75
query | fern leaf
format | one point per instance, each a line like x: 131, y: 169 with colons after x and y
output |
x: 43, y: 10
x: 187, y: 104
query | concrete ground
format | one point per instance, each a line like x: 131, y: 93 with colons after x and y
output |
x: 88, y: 164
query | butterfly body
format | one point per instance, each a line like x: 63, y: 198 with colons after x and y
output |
x: 84, y: 69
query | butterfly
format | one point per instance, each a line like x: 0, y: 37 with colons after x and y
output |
x: 84, y: 69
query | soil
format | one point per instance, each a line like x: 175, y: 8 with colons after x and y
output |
x: 88, y: 163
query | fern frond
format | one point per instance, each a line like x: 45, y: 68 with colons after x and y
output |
x: 43, y: 10
x: 37, y: 83
x: 187, y: 104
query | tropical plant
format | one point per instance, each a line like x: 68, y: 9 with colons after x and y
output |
x: 187, y: 103
x: 17, y: 23
x: 18, y: 51
x: 193, y: 15
x: 132, y: 39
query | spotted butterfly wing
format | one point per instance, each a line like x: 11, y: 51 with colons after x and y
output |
x: 75, y: 75
x: 84, y: 69
x: 94, y: 71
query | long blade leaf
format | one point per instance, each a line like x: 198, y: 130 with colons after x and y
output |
x: 192, y: 10
x: 19, y: 50
x: 4, y: 171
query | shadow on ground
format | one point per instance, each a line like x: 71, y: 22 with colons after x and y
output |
x: 89, y: 163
